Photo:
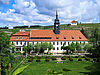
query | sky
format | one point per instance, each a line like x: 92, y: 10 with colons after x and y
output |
x: 42, y: 12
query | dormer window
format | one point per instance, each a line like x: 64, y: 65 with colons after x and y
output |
x: 72, y: 37
x: 16, y: 37
x: 21, y: 37
x: 64, y: 37
x: 57, y: 38
x: 80, y: 38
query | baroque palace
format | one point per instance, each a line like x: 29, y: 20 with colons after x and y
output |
x: 57, y: 37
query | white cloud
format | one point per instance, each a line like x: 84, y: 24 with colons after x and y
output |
x: 43, y: 11
x: 4, y: 1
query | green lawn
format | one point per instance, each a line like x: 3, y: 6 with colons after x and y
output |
x: 76, y: 67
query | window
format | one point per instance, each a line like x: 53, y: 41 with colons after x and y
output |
x: 57, y: 43
x: 64, y: 37
x: 16, y: 37
x: 61, y: 43
x: 21, y: 37
x: 68, y: 43
x: 57, y: 48
x: 80, y: 38
x: 24, y: 43
x: 53, y: 43
x: 16, y: 43
x: 53, y: 48
x: 84, y: 42
x: 12, y: 43
x: 72, y: 37
x: 64, y: 42
x: 80, y: 42
x: 20, y: 43
x: 57, y: 38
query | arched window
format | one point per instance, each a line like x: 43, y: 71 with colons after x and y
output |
x: 57, y: 48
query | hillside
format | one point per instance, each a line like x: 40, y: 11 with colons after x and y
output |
x: 87, y: 27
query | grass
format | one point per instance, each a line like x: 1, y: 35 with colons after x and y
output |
x: 76, y: 67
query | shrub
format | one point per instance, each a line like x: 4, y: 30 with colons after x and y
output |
x: 63, y: 58
x: 79, y: 59
x: 38, y: 57
x: 37, y: 60
x: 65, y: 69
x: 94, y: 59
x: 30, y: 60
x: 76, y: 56
x: 98, y: 59
x: 87, y: 59
x: 47, y: 59
x: 54, y: 58
x: 70, y: 59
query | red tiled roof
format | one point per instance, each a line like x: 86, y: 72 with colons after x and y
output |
x: 22, y: 33
x: 74, y: 21
x: 65, y: 35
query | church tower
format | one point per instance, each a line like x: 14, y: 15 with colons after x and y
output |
x: 57, y: 25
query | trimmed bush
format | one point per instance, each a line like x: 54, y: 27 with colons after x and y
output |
x: 63, y: 58
x: 87, y: 59
x: 47, y: 59
x: 54, y: 58
x: 70, y: 59
x: 76, y: 56
x: 38, y: 57
x: 69, y: 56
x: 30, y: 59
x: 79, y: 59
x: 98, y: 59
x: 37, y: 60
x: 94, y: 59
x: 65, y: 69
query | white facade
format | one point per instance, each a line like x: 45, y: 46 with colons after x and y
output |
x: 56, y: 45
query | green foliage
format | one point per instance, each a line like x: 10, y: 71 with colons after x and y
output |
x: 65, y: 69
x: 37, y: 47
x: 38, y: 60
x: 79, y: 59
x: 54, y: 58
x: 70, y: 59
x: 78, y: 46
x: 4, y: 41
x: 30, y: 58
x: 19, y: 70
x: 72, y: 47
x: 50, y: 46
x: 87, y: 46
x: 47, y: 59
x: 63, y: 58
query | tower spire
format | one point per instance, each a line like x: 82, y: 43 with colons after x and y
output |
x: 57, y: 25
x: 56, y: 15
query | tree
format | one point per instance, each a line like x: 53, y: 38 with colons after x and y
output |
x: 87, y: 46
x: 50, y: 46
x: 25, y: 50
x: 44, y: 46
x: 65, y: 48
x: 37, y: 48
x: 29, y: 48
x: 72, y: 47
x: 78, y: 46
